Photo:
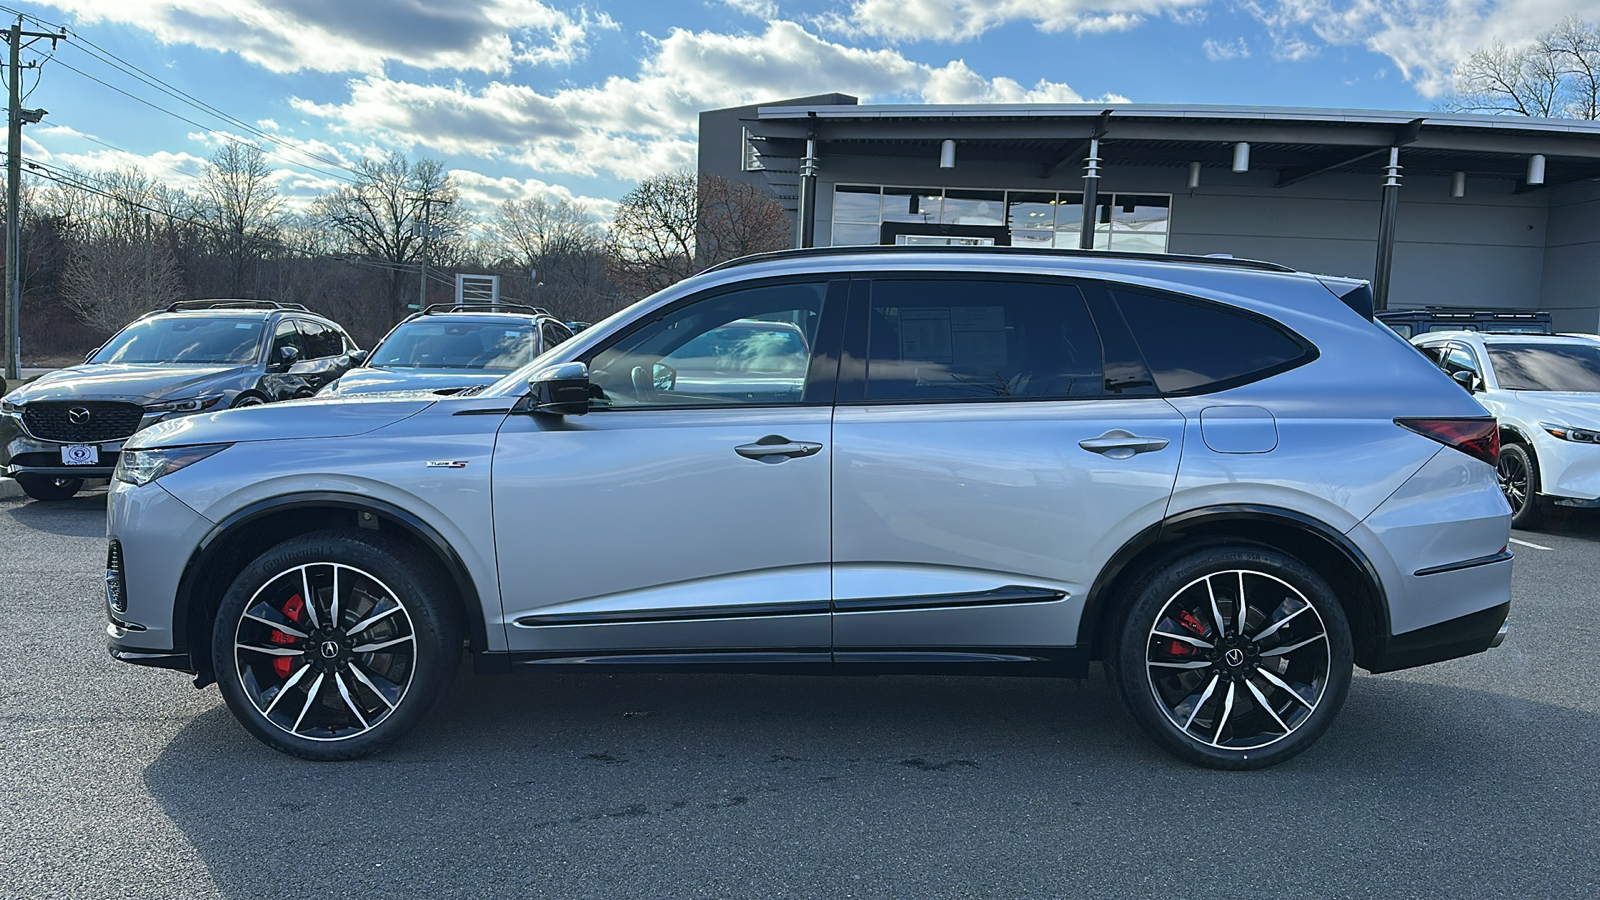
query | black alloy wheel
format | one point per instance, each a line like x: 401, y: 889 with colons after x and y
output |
x: 1518, y: 474
x: 49, y: 487
x: 244, y: 400
x: 333, y: 645
x: 1234, y: 657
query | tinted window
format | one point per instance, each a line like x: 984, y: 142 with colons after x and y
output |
x: 1546, y: 367
x: 751, y: 346
x: 429, y: 343
x: 980, y: 340
x: 321, y: 341
x: 180, y: 339
x: 286, y: 335
x: 554, y: 334
x: 1459, y: 359
x: 1193, y: 347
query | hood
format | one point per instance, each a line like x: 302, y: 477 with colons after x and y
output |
x: 370, y: 380
x: 136, y: 384
x: 294, y: 419
x: 1577, y: 409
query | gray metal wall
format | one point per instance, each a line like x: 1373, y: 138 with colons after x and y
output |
x: 1572, y: 258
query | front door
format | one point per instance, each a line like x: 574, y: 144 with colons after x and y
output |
x: 688, y: 512
x: 989, y: 457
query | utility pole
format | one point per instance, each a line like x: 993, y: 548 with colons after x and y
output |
x: 427, y: 234
x: 15, y: 120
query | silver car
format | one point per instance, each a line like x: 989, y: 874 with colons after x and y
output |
x: 1218, y: 478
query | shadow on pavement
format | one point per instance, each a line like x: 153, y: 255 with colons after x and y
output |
x: 81, y: 516
x: 643, y: 785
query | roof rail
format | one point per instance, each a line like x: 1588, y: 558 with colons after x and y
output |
x: 483, y: 306
x: 892, y: 249
x: 233, y: 304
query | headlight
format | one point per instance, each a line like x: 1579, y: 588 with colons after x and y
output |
x: 1568, y: 433
x: 196, y: 404
x: 144, y: 466
x: 6, y: 406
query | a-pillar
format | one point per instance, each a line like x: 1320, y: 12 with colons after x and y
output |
x: 1386, y: 224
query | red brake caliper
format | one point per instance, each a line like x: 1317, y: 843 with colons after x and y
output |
x: 293, y: 611
x: 1191, y: 625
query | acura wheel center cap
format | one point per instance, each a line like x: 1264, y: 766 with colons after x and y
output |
x: 1234, y: 657
x: 330, y: 649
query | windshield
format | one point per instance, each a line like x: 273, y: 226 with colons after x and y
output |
x: 185, y: 340
x: 424, y: 344
x: 1547, y: 367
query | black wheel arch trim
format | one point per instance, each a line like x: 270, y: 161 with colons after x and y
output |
x: 455, y: 568
x: 1098, y: 603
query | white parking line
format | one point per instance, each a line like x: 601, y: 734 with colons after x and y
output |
x: 1522, y: 543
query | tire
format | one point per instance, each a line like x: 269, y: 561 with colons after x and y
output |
x: 1518, y: 473
x: 248, y: 399
x: 307, y: 688
x: 1209, y: 705
x: 48, y: 487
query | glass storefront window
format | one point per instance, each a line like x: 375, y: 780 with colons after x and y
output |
x: 911, y: 205
x: 974, y: 207
x: 850, y: 233
x: 1143, y: 213
x: 855, y: 203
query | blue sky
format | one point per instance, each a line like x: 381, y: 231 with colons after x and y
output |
x: 544, y: 98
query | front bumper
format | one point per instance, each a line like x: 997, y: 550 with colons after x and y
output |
x: 158, y: 533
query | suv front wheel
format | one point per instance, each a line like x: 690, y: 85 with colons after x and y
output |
x: 334, y: 644
x: 1234, y: 657
x: 1518, y: 473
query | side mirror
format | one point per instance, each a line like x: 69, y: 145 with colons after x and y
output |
x: 560, y: 390
x: 287, y: 356
x: 357, y: 357
x: 1466, y: 379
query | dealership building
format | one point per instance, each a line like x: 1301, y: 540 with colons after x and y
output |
x: 1438, y: 209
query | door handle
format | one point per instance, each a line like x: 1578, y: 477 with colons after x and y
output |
x: 1119, y: 444
x: 776, y: 448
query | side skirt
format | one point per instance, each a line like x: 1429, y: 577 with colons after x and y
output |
x: 1053, y: 662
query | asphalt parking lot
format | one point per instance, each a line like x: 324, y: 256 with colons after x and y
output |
x: 1470, y: 778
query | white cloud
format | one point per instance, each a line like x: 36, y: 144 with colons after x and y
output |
x: 359, y: 35
x: 485, y: 192
x: 1216, y: 50
x: 761, y: 9
x: 633, y: 127
x: 954, y: 20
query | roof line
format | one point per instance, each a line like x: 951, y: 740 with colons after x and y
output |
x: 891, y: 249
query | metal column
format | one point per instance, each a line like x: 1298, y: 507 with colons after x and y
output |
x: 1386, y: 225
x: 808, y: 196
x: 1091, y: 194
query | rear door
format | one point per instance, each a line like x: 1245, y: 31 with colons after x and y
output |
x: 992, y: 449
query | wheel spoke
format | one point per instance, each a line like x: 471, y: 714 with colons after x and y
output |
x: 1273, y: 628
x: 1280, y: 683
x: 1279, y: 651
x: 1199, y: 664
x: 361, y: 676
x: 310, y: 598
x: 290, y: 630
x: 1227, y: 710
x: 1261, y: 700
x: 333, y: 601
x: 271, y: 651
x: 1216, y: 614
x: 374, y: 648
x: 349, y: 701
x: 1185, y: 638
x: 1204, y: 696
x: 371, y: 620
x: 311, y: 697
x: 293, y: 680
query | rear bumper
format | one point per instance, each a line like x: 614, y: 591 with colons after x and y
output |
x: 1464, y: 636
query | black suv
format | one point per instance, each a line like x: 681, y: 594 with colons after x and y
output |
x: 194, y: 356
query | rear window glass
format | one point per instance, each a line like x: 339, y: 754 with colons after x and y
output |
x: 1194, y: 347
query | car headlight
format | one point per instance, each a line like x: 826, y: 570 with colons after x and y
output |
x: 196, y: 404
x: 9, y: 408
x: 1568, y: 433
x: 138, y: 467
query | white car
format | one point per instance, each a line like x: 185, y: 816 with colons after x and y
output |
x: 1545, y: 391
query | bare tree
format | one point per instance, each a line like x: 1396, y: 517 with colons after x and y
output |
x: 556, y: 250
x: 1557, y: 75
x: 112, y: 280
x: 379, y: 217
x: 242, y: 206
x: 672, y: 226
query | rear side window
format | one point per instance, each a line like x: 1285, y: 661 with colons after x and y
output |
x: 968, y: 339
x: 1194, y: 347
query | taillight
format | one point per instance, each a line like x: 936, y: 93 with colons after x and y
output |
x: 1478, y: 438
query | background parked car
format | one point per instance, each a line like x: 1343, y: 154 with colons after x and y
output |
x: 1545, y: 392
x: 197, y: 355
x: 453, y: 346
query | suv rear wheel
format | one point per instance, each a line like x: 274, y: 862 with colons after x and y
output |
x: 46, y: 487
x: 334, y: 644
x: 1234, y: 657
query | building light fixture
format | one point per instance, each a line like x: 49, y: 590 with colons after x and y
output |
x: 1241, y: 157
x: 947, y: 154
x: 1458, y: 185
x: 1536, y: 169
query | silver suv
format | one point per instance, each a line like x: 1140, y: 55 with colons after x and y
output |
x: 1219, y: 478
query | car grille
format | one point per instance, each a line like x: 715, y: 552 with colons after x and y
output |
x: 66, y: 422
x: 116, y: 585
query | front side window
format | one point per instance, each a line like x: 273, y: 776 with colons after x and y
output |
x: 960, y: 339
x: 1459, y: 359
x: 184, y: 340
x: 1546, y: 367
x: 321, y: 341
x: 1194, y: 347
x: 750, y: 346
x: 434, y: 344
x: 286, y: 335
